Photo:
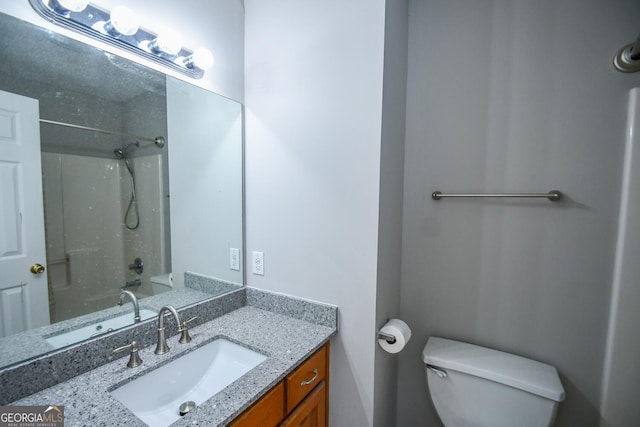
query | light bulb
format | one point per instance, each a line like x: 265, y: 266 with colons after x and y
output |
x: 167, y: 42
x: 123, y: 21
x: 201, y: 58
x: 70, y: 5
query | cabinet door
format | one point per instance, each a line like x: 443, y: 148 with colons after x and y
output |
x: 311, y: 412
x: 267, y: 412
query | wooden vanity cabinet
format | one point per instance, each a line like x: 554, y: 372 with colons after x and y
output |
x: 300, y: 400
x: 312, y: 412
x: 267, y: 412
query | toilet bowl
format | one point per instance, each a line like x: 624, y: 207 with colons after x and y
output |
x: 473, y: 386
x: 161, y: 283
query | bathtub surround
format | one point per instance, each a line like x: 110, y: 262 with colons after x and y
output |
x: 88, y: 251
x: 34, y: 375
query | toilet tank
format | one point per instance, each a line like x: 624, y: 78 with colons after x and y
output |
x: 161, y: 283
x: 476, y: 386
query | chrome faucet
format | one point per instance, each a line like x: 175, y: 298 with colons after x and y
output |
x: 162, y: 346
x: 134, y: 300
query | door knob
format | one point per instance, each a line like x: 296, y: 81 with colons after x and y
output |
x: 37, y: 268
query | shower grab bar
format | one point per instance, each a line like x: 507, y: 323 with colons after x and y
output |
x: 553, y: 195
x: 158, y: 140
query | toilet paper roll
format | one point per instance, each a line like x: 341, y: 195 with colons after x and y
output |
x: 398, y: 329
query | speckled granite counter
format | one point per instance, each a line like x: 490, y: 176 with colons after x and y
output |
x: 285, y: 329
x: 32, y: 343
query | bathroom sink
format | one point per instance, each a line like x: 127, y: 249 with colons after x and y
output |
x: 156, y: 397
x: 98, y: 328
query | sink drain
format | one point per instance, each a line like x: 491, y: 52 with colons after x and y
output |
x: 186, y: 407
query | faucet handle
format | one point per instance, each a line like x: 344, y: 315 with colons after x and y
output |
x: 134, y: 358
x: 185, y: 338
x: 189, y: 321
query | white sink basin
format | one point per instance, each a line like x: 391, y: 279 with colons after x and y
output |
x: 98, y: 328
x: 156, y: 397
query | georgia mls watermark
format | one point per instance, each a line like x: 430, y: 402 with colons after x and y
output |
x: 31, y: 416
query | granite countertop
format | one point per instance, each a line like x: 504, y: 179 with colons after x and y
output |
x: 32, y: 343
x: 285, y: 340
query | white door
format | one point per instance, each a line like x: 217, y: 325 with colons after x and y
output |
x: 24, y: 300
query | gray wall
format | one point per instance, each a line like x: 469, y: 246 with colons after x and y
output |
x: 390, y: 222
x: 514, y: 96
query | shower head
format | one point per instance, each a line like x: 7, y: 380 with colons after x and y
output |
x: 121, y: 153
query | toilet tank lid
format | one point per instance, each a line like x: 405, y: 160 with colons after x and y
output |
x: 515, y: 371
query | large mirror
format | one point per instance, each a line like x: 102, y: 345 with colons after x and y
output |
x: 141, y: 189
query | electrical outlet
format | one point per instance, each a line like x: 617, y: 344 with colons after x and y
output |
x: 258, y: 263
x: 234, y: 259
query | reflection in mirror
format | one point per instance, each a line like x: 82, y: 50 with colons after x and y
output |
x: 106, y: 190
x: 105, y: 207
x: 208, y: 191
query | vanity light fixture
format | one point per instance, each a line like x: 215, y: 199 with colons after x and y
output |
x: 122, y: 22
x: 120, y: 28
x: 200, y: 58
x: 66, y: 6
x: 167, y: 42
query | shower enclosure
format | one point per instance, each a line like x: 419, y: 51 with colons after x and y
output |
x: 132, y: 207
x: 105, y: 184
x: 94, y: 233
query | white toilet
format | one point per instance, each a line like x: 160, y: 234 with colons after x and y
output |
x: 161, y: 283
x: 473, y: 386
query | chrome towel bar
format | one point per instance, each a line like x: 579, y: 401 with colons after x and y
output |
x: 553, y: 195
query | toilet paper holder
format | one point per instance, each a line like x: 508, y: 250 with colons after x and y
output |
x: 387, y: 337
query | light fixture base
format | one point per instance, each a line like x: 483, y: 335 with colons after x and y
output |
x: 90, y: 22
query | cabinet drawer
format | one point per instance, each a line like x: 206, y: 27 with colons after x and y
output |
x: 266, y: 412
x: 304, y: 379
x: 312, y: 412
